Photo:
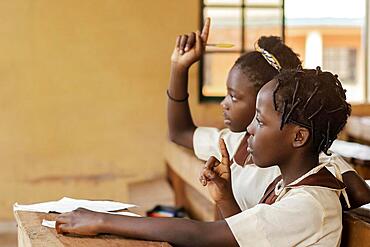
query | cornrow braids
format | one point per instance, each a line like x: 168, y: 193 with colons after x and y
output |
x: 313, y: 99
x: 257, y: 69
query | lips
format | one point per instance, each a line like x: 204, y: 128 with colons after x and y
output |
x: 227, y: 120
x: 250, y: 148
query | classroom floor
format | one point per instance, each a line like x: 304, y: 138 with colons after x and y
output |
x: 149, y: 194
x: 144, y: 194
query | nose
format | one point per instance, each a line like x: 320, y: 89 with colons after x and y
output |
x: 224, y: 104
x: 252, y: 126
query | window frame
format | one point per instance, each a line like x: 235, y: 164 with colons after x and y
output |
x: 243, y: 6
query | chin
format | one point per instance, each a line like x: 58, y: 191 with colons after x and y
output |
x: 233, y: 129
x: 262, y: 164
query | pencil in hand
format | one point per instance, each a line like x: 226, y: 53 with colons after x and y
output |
x: 221, y: 45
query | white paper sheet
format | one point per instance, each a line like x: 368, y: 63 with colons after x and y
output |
x: 68, y: 204
x: 48, y: 223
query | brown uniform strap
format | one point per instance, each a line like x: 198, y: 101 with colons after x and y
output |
x: 269, y: 197
x: 323, y: 178
x: 241, y: 154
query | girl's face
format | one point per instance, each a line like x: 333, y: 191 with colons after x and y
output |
x: 240, y: 102
x: 268, y: 144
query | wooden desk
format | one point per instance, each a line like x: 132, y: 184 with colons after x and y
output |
x: 356, y: 228
x: 32, y: 233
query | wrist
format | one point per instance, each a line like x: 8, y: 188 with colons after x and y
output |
x: 102, y: 224
x: 225, y: 201
x: 178, y: 67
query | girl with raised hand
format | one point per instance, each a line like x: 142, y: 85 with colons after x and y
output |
x: 294, y: 122
x: 249, y: 73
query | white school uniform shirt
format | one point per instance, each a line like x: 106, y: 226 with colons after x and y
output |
x: 301, y: 216
x: 249, y: 182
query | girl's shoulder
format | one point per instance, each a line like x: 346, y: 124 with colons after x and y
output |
x: 206, y: 141
x: 335, y: 161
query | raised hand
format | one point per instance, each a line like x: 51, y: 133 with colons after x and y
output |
x: 190, y: 47
x: 217, y: 176
x: 80, y: 222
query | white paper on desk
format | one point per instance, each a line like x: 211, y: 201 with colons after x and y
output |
x: 51, y: 223
x: 68, y: 204
x: 48, y: 223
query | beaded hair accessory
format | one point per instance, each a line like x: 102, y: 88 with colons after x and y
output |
x: 271, y: 59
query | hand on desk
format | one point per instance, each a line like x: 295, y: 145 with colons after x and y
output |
x: 80, y: 221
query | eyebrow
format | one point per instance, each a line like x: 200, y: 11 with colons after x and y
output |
x: 231, y: 89
x: 259, y: 113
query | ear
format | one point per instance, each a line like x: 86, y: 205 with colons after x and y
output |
x: 302, y: 136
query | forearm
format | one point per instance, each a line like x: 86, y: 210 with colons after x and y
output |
x: 357, y: 189
x: 228, y: 208
x: 180, y: 123
x: 179, y: 232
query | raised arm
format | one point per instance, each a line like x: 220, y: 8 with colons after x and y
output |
x: 178, y: 232
x: 187, y: 51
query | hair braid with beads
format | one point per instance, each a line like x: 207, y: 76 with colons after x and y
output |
x: 315, y: 100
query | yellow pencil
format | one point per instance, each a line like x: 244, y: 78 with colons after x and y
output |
x: 221, y: 45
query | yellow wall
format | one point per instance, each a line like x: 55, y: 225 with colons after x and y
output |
x: 82, y: 97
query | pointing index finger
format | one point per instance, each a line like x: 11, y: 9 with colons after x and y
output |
x: 224, y: 152
x: 211, y: 162
x: 205, y: 30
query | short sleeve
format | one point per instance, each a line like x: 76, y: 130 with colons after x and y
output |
x: 297, y: 220
x: 205, y: 142
x: 336, y: 159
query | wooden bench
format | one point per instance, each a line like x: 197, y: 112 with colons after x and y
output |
x: 183, y: 170
x: 356, y: 228
x: 32, y: 233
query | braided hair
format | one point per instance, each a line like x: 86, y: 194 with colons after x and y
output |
x: 313, y: 99
x: 258, y: 70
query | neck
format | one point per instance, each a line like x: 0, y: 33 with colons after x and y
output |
x: 297, y: 166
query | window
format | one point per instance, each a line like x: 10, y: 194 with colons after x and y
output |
x: 239, y: 22
x: 332, y: 34
x: 341, y: 61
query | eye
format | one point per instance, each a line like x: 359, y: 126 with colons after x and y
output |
x: 233, y: 98
x: 259, y: 123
